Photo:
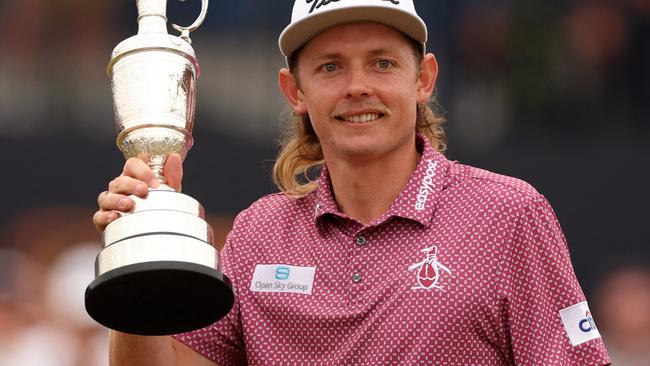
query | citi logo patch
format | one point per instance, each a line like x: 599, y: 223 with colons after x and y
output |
x: 587, y: 324
x: 283, y: 278
x: 579, y: 324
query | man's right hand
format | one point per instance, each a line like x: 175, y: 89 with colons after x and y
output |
x: 136, y: 179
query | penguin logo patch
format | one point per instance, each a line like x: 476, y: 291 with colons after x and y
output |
x: 429, y: 270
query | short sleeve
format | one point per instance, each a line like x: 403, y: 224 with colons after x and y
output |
x: 538, y: 283
x: 222, y: 342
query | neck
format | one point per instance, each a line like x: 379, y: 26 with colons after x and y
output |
x: 364, y: 189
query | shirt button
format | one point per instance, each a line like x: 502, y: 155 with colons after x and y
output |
x: 356, y: 278
x: 360, y: 240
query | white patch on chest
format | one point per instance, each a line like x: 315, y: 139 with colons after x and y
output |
x: 283, y: 278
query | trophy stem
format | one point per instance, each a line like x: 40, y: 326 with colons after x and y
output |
x: 157, y: 165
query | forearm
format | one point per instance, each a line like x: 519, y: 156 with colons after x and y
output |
x: 127, y: 349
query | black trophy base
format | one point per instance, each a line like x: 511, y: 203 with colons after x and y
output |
x: 159, y: 298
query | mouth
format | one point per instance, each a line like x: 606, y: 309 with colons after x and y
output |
x: 359, y: 117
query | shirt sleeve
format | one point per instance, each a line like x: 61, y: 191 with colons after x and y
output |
x: 538, y: 283
x: 221, y: 342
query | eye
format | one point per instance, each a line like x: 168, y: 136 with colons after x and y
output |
x: 384, y: 64
x: 329, y: 67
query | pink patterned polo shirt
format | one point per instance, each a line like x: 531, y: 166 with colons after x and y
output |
x: 467, y: 267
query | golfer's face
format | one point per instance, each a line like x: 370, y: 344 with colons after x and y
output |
x: 359, y: 84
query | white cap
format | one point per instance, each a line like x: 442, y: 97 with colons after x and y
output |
x: 310, y: 17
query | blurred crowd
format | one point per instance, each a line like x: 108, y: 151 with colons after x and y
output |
x: 576, y: 67
x: 43, y: 278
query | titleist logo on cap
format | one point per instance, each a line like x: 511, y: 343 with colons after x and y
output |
x: 318, y: 3
x: 311, y: 17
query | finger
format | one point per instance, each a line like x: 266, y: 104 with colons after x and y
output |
x: 101, y: 219
x: 114, y: 202
x: 138, y: 169
x: 174, y: 171
x: 127, y: 185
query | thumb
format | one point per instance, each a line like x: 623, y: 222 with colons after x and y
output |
x: 174, y: 171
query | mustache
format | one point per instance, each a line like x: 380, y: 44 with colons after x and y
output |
x: 345, y: 108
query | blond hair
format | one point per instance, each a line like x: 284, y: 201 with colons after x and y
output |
x: 301, y: 153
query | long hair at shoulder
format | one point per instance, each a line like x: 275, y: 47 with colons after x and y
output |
x: 300, y: 150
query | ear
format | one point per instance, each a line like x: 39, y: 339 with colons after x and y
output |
x: 427, y: 78
x: 289, y: 86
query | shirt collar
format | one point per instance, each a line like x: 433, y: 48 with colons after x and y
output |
x: 417, y: 200
x: 325, y: 203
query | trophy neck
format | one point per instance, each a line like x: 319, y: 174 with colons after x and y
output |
x: 152, y: 16
x: 152, y: 24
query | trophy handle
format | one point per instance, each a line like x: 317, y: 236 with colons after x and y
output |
x: 185, y: 31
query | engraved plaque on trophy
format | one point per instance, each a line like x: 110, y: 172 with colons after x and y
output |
x: 159, y: 272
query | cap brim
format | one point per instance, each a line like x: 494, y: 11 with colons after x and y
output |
x: 299, y: 33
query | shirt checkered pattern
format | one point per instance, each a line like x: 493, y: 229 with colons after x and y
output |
x: 467, y: 267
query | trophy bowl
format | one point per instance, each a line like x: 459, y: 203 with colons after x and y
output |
x: 159, y: 272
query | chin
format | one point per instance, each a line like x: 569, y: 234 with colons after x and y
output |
x: 360, y: 152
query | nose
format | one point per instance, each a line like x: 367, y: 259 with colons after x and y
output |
x: 358, y: 83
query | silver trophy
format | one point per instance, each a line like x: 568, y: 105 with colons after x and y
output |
x: 159, y: 272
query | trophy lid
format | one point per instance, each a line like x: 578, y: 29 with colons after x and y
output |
x: 152, y: 33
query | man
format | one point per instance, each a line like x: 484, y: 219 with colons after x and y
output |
x: 395, y: 255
